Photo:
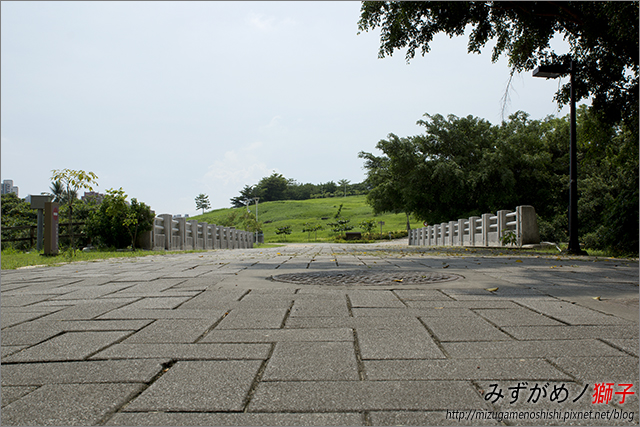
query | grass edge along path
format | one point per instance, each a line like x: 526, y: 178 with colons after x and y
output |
x: 12, y: 259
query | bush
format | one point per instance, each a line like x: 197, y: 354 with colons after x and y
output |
x: 117, y: 223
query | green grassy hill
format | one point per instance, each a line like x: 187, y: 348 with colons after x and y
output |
x: 297, y: 212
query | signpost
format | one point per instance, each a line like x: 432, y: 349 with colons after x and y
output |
x: 51, y: 228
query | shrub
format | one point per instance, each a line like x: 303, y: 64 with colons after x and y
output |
x: 117, y: 223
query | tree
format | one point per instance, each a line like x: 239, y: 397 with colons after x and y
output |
x: 202, y: 202
x: 602, y: 36
x: 246, y: 194
x: 73, y: 181
x: 117, y: 223
x: 388, y: 176
x: 368, y: 225
x: 310, y: 228
x: 285, y: 229
x: 343, y: 183
x: 272, y: 188
x: 16, y: 212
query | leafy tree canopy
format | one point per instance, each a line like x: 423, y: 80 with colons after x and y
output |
x: 464, y: 166
x: 202, y: 202
x: 602, y: 38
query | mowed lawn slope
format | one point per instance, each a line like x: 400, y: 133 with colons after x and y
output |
x: 298, y: 212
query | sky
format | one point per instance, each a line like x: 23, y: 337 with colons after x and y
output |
x: 169, y: 100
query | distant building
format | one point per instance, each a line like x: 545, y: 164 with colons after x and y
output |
x: 8, y: 187
x: 92, y: 195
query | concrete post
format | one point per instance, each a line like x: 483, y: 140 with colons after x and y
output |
x: 502, y: 225
x: 527, y: 225
x: 461, y: 232
x: 444, y: 233
x: 473, y: 224
x: 182, y: 233
x: 436, y: 234
x: 224, y: 244
x: 191, y: 230
x: 167, y: 220
x: 486, y: 222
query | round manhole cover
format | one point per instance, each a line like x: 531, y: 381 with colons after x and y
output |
x: 365, y: 278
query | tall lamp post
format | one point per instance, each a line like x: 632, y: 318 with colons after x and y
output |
x: 256, y: 199
x: 554, y: 71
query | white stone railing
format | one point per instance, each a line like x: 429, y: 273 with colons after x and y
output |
x: 485, y: 230
x: 178, y: 234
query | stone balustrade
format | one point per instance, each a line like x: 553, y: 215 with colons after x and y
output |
x: 483, y: 231
x: 178, y: 234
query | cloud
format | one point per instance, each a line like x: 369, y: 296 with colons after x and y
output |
x: 260, y: 22
x: 237, y: 167
x: 264, y: 23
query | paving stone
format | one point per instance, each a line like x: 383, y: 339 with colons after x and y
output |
x: 329, y: 396
x: 463, y: 329
x: 144, y: 287
x: 22, y: 300
x: 88, y: 310
x: 125, y: 313
x: 8, y: 350
x: 462, y: 369
x: 235, y: 419
x: 352, y: 322
x: 68, y: 404
x: 172, y: 331
x: 529, y: 349
x: 278, y: 335
x: 558, y: 308
x: 422, y: 295
x: 84, y: 292
x: 13, y: 393
x: 426, y: 418
x: 254, y: 319
x: 199, y: 386
x: 628, y: 345
x: 397, y: 344
x: 516, y: 317
x: 472, y: 304
x: 214, y: 299
x: 374, y: 299
x: 167, y: 303
x: 28, y: 337
x: 606, y: 332
x: 99, y: 371
x: 593, y: 319
x: 185, y: 351
x: 8, y: 318
x: 312, y: 361
x: 68, y: 346
x: 320, y: 308
x: 599, y: 369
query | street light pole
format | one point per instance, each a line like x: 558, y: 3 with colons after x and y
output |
x: 574, y: 244
x: 554, y: 71
x: 256, y: 199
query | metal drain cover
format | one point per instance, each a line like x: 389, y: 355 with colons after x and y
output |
x: 365, y: 278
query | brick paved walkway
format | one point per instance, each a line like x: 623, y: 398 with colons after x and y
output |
x: 321, y: 335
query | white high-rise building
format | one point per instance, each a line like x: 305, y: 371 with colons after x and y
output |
x: 8, y: 187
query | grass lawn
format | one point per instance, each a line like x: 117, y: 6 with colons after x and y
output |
x: 298, y: 212
x: 12, y: 259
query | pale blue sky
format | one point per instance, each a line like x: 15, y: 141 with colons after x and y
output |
x: 172, y: 99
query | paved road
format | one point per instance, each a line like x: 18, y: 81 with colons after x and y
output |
x: 322, y: 335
